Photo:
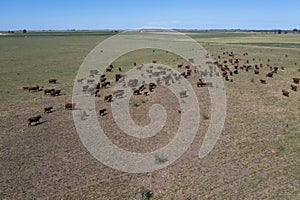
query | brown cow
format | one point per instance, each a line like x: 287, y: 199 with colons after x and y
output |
x: 25, y: 88
x: 47, y: 91
x: 55, y: 92
x: 296, y: 80
x: 270, y: 74
x: 70, y: 106
x: 34, y: 119
x: 200, y: 84
x: 294, y: 87
x: 48, y: 109
x: 118, y: 77
x: 52, y: 81
x: 256, y: 71
x: 102, y: 79
x: 285, y: 93
x: 108, y: 98
x: 35, y: 88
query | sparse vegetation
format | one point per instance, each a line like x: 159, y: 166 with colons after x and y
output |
x: 48, y: 161
x: 146, y: 194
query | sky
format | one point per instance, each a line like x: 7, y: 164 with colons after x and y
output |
x: 133, y: 14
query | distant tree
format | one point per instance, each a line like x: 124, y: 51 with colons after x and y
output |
x: 295, y: 30
x: 279, y: 31
x: 24, y: 31
x: 285, y: 32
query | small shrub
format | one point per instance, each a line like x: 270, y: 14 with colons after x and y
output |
x: 135, y: 104
x: 252, y: 80
x: 205, y: 116
x: 281, y: 148
x: 159, y: 159
x: 146, y: 194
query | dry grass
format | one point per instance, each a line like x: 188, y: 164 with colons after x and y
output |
x: 257, y: 155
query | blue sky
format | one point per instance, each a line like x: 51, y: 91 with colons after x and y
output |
x: 128, y: 14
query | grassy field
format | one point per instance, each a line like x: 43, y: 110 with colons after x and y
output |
x: 256, y: 157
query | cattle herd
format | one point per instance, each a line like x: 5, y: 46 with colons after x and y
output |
x: 226, y: 64
x: 53, y: 93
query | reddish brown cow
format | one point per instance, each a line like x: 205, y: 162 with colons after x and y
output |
x: 270, y: 74
x: 118, y: 77
x: 285, y: 93
x: 296, y: 80
x: 55, y: 92
x: 108, y: 98
x: 256, y: 71
x: 36, y: 120
x: 35, y: 88
x: 47, y: 91
x: 294, y: 87
x: 52, y: 81
x: 70, y: 106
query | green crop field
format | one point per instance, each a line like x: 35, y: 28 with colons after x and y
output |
x: 256, y: 157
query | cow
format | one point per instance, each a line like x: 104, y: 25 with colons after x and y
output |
x: 102, y: 79
x: 263, y: 81
x: 36, y: 120
x: 25, y: 88
x: 142, y: 87
x: 55, y: 92
x: 285, y: 93
x: 52, y: 81
x: 136, y: 92
x: 108, y: 98
x: 146, y: 93
x: 275, y: 69
x: 270, y: 74
x: 102, y: 112
x: 120, y: 69
x: 200, y: 84
x: 95, y: 92
x: 152, y: 86
x: 108, y: 69
x: 294, y: 87
x: 180, y: 65
x: 118, y: 77
x: 35, y: 88
x: 256, y: 71
x: 296, y: 80
x: 48, y: 109
x: 105, y: 84
x: 70, y: 106
x: 47, y: 91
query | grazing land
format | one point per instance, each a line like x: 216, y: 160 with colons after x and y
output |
x: 256, y: 157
